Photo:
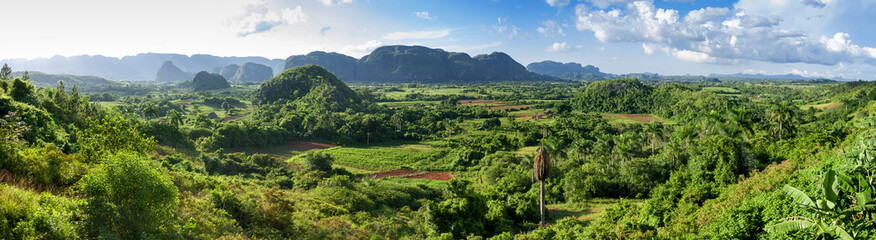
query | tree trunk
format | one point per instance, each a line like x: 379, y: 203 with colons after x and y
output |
x: 780, y: 131
x: 541, y: 201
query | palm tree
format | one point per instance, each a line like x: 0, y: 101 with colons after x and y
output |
x: 580, y: 146
x: 782, y: 114
x: 654, y: 130
x: 174, y: 117
x: 742, y: 118
x: 540, y: 168
x: 150, y: 110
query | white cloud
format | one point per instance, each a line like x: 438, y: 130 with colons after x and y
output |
x: 260, y: 18
x: 559, y: 47
x: 715, y: 35
x: 551, y: 28
x: 692, y: 56
x: 335, y: 2
x: 424, y: 15
x: 608, y: 3
x: 361, y: 49
x: 417, y: 35
x: 705, y: 15
x: 557, y: 3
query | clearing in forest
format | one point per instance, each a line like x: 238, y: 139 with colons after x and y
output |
x: 407, y: 173
x: 310, y: 145
x: 390, y: 156
x: 631, y: 118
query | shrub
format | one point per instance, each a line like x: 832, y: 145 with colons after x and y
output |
x: 128, y: 198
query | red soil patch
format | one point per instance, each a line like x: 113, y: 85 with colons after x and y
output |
x: 511, y: 107
x: 640, y: 118
x: 310, y: 145
x: 235, y: 117
x: 185, y: 101
x: 440, y: 176
x: 394, y: 173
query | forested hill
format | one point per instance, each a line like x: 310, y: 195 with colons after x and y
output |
x: 138, y: 67
x: 570, y: 70
x: 50, y: 80
x: 418, y: 64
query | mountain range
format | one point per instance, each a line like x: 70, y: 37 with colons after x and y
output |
x: 385, y: 64
x: 140, y: 67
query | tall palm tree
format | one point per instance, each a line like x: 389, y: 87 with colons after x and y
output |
x: 540, y: 168
x: 654, y: 130
x: 742, y: 118
x: 174, y: 117
x: 581, y: 146
x: 150, y: 110
x: 782, y: 114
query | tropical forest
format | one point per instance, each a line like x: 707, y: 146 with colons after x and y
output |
x: 424, y: 135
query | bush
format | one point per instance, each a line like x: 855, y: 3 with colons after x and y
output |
x: 318, y: 162
x: 128, y: 198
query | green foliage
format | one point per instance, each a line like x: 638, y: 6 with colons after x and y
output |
x: 615, y: 96
x: 309, y: 84
x: 27, y: 215
x: 204, y: 81
x: 128, y: 198
x: 318, y: 162
x: 5, y: 72
x: 111, y: 134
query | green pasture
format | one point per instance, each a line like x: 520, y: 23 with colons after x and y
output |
x: 388, y: 156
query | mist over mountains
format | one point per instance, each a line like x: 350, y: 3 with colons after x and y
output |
x: 140, y: 67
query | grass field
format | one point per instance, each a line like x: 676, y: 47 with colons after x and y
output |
x: 821, y: 106
x: 391, y: 156
x: 630, y: 118
x: 587, y: 211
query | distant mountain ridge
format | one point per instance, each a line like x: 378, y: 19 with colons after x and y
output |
x: 51, y: 80
x: 778, y: 76
x: 398, y: 63
x: 140, y: 67
x: 571, y: 70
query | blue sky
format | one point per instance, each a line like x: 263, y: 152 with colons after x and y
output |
x: 830, y: 38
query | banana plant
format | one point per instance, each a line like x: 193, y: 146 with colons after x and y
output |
x: 836, y: 213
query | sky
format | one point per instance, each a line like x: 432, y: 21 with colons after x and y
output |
x: 812, y: 38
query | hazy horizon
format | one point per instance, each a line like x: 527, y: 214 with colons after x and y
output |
x: 826, y: 38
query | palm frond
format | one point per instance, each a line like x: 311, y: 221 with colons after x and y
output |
x: 798, y: 196
x: 790, y: 225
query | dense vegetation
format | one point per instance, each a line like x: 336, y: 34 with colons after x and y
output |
x: 209, y: 81
x: 629, y: 159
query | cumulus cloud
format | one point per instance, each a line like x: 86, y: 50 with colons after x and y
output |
x: 559, y: 47
x: 334, y: 2
x: 557, y: 3
x: 260, y: 17
x: 361, y: 49
x: 424, y: 15
x: 417, y: 35
x: 717, y: 35
x: 551, y: 28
